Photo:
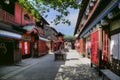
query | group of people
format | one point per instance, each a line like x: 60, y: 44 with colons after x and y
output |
x: 60, y: 49
x: 62, y: 46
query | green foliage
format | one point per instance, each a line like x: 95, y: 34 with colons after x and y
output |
x: 30, y: 8
x: 61, y: 6
x: 69, y: 38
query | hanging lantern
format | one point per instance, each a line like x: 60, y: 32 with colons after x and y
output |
x: 7, y: 2
x: 112, y: 15
x: 76, y: 35
x: 87, y: 12
x: 91, y: 4
x: 91, y: 31
x: 98, y: 25
x: 104, y: 22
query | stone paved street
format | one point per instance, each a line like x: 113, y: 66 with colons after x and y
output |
x: 45, y: 68
x: 76, y: 68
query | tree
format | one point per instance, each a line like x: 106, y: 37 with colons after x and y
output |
x: 61, y: 6
x: 69, y: 38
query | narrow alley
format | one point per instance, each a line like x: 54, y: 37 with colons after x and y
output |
x: 59, y: 39
x: 45, y: 68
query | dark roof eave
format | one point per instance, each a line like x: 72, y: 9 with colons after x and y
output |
x: 12, y: 27
x: 81, y: 12
x: 98, y: 16
x: 45, y: 21
x: 54, y: 29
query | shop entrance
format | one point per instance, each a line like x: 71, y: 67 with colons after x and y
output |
x: 6, y: 52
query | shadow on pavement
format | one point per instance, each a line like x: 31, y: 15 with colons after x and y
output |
x: 78, y: 72
x: 72, y: 59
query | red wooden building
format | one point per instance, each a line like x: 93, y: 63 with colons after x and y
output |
x: 41, y: 44
x: 50, y: 33
x: 23, y: 18
x: 53, y: 38
x: 97, y: 23
x: 10, y: 34
x: 33, y: 44
x: 19, y: 32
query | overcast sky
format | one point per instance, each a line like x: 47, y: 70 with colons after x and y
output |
x: 64, y: 28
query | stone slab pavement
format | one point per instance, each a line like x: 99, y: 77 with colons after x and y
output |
x: 12, y: 69
x: 76, y: 68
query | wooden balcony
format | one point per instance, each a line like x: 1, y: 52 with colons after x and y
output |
x: 6, y: 17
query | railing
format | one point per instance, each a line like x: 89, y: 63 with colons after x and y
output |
x: 90, y: 14
x: 6, y: 17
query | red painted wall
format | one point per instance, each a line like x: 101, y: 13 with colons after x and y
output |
x: 81, y: 46
x: 42, y: 47
x: 95, y: 47
x: 19, y: 15
x: 105, y: 49
x: 25, y: 47
x: 19, y: 19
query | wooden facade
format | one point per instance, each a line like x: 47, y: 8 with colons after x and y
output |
x: 104, y: 37
x: 10, y: 35
x: 19, y: 29
x: 95, y: 47
x: 115, y: 46
x: 20, y: 18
